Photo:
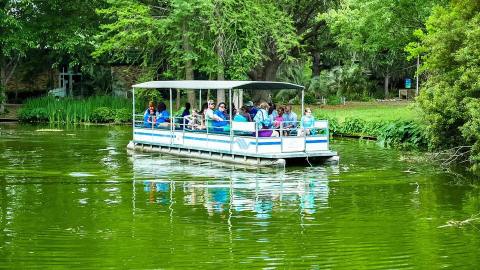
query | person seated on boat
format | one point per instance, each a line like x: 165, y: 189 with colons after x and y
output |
x: 252, y: 110
x: 150, y: 118
x: 307, y: 124
x: 214, y: 119
x: 163, y: 116
x: 264, y: 125
x: 289, y: 120
x: 194, y: 121
x: 186, y: 111
x: 272, y: 111
x: 277, y: 121
x: 151, y: 105
x: 243, y: 115
x: 220, y: 121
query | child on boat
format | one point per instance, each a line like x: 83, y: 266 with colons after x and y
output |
x: 307, y: 124
x: 194, y: 121
x: 149, y: 117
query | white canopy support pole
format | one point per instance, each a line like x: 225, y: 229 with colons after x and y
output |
x: 303, y: 96
x: 236, y: 98
x: 200, y: 103
x: 240, y: 98
x: 133, y: 109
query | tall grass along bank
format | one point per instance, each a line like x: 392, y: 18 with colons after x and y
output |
x: 96, y: 109
x: 393, y: 124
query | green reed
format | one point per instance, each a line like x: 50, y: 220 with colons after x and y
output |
x: 68, y: 110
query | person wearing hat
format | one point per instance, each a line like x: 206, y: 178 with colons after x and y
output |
x: 213, y: 118
x: 252, y: 110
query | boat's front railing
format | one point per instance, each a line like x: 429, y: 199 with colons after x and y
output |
x: 198, y: 123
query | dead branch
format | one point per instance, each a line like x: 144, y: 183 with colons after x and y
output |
x: 458, y: 155
x: 461, y: 223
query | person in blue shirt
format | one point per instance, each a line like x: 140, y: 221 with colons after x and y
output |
x: 220, y: 122
x: 289, y: 119
x: 149, y: 117
x: 252, y: 110
x: 264, y: 125
x: 307, y: 124
x: 243, y: 115
x: 163, y: 117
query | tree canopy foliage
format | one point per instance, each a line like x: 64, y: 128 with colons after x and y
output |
x: 352, y: 48
x: 450, y: 98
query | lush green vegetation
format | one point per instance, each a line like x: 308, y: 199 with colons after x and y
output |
x: 98, y: 109
x: 392, y: 124
x: 451, y: 53
x: 370, y: 111
x: 335, y: 48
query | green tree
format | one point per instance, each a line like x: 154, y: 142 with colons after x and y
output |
x: 16, y: 37
x: 449, y: 99
x: 63, y: 29
x: 375, y: 33
x: 214, y: 38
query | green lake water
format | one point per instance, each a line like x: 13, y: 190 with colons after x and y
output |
x: 76, y: 198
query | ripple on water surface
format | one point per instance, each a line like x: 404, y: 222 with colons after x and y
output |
x: 82, y: 201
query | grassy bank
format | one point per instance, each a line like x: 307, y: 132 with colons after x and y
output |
x: 392, y: 123
x: 97, y: 109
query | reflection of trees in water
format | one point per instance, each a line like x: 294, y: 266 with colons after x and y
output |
x: 220, y: 188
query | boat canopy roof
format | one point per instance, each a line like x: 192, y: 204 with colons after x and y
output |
x: 205, y: 85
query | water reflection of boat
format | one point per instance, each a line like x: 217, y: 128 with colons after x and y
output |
x: 223, y: 189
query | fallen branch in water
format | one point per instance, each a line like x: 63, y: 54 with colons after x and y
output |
x: 461, y: 223
x: 458, y: 155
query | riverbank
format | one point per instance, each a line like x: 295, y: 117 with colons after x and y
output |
x: 391, y: 123
x: 11, y: 114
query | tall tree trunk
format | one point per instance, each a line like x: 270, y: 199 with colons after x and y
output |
x: 6, y: 71
x: 267, y: 72
x: 220, y: 54
x: 220, y: 73
x: 188, y: 65
x: 316, y: 63
x: 177, y: 100
x: 3, y: 83
x: 386, y: 85
x: 417, y: 76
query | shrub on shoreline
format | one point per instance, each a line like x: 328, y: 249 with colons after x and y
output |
x: 97, y: 109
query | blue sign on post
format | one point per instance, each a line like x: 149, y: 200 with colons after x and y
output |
x: 408, y: 83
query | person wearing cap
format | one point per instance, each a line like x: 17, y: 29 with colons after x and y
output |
x: 212, y: 117
x: 252, y: 110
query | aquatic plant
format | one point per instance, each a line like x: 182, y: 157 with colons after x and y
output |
x: 69, y: 110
